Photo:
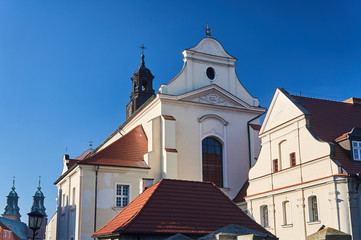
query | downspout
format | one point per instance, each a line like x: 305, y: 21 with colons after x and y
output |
x: 304, y: 212
x: 249, y: 138
x: 80, y: 212
x: 96, y: 198
x: 274, y: 214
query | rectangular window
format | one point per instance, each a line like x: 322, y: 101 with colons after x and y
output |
x: 122, y: 195
x: 275, y: 165
x: 356, y: 150
x: 264, y: 216
x: 312, y: 201
x: 293, y: 159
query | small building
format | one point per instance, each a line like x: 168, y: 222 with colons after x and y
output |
x: 7, y: 234
x: 308, y: 172
x: 169, y: 207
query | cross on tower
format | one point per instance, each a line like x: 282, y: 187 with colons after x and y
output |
x: 90, y: 143
x: 208, y: 31
x: 142, y: 47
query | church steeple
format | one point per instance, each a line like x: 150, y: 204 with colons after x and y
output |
x: 12, y: 208
x: 142, y: 87
x: 38, y: 201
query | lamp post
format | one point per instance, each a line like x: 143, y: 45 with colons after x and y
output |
x: 35, y: 220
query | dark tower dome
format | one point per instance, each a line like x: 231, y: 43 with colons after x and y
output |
x: 38, y: 201
x: 12, y: 209
x: 142, y: 88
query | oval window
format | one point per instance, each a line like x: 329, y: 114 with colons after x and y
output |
x: 210, y: 73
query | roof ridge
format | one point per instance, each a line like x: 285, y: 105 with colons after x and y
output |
x: 321, y: 99
x: 96, y: 153
x: 136, y: 215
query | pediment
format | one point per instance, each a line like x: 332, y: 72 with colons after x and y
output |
x: 214, y: 95
x: 210, y: 46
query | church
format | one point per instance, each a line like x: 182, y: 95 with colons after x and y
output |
x: 200, y: 126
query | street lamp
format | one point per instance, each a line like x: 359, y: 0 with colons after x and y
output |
x: 35, y: 220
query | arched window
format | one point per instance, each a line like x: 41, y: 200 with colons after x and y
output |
x: 212, y: 162
x: 313, y: 208
x: 286, y: 213
x: 264, y: 216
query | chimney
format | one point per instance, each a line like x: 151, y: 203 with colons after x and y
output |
x: 353, y: 100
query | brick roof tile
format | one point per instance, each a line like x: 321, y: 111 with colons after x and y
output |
x: 127, y: 151
x: 330, y: 120
x: 178, y: 206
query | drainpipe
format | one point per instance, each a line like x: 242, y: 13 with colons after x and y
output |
x: 249, y: 138
x: 304, y: 213
x: 96, y: 198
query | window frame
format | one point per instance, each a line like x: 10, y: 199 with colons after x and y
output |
x: 115, y: 193
x: 264, y: 216
x: 293, y: 159
x: 217, y: 139
x: 311, y: 211
x: 357, y: 149
x: 275, y: 165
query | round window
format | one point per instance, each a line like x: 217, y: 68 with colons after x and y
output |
x: 210, y: 73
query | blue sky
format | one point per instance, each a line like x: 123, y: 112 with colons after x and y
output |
x: 65, y: 66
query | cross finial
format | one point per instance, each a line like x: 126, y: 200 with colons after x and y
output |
x: 142, y: 47
x: 90, y: 143
x: 208, y: 31
x: 39, y: 182
x: 13, y: 183
x: 66, y: 150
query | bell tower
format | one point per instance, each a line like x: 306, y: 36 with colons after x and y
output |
x: 142, y: 90
x: 12, y: 208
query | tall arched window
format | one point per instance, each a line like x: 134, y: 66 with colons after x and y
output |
x: 212, y: 162
x: 313, y: 209
x: 286, y: 213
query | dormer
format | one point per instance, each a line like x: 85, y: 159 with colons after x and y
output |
x: 351, y: 143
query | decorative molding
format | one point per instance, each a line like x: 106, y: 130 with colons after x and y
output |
x: 201, y: 119
x: 213, y: 98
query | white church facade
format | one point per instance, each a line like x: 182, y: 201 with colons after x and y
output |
x: 197, y: 127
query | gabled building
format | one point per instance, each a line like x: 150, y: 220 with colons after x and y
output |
x: 7, y: 234
x: 169, y: 207
x: 308, y: 170
x: 195, y: 128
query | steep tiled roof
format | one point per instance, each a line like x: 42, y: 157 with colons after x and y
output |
x: 330, y: 120
x: 127, y: 151
x: 177, y: 206
x: 3, y: 226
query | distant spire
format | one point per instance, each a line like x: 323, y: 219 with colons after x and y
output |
x: 142, y: 63
x: 208, y: 31
x: 38, y: 200
x: 142, y: 47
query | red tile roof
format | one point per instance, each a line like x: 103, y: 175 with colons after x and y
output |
x: 178, y: 206
x: 3, y: 226
x: 330, y: 120
x: 127, y: 151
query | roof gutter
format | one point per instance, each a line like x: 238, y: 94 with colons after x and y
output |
x: 249, y: 138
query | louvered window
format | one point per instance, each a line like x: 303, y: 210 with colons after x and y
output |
x: 212, y: 162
